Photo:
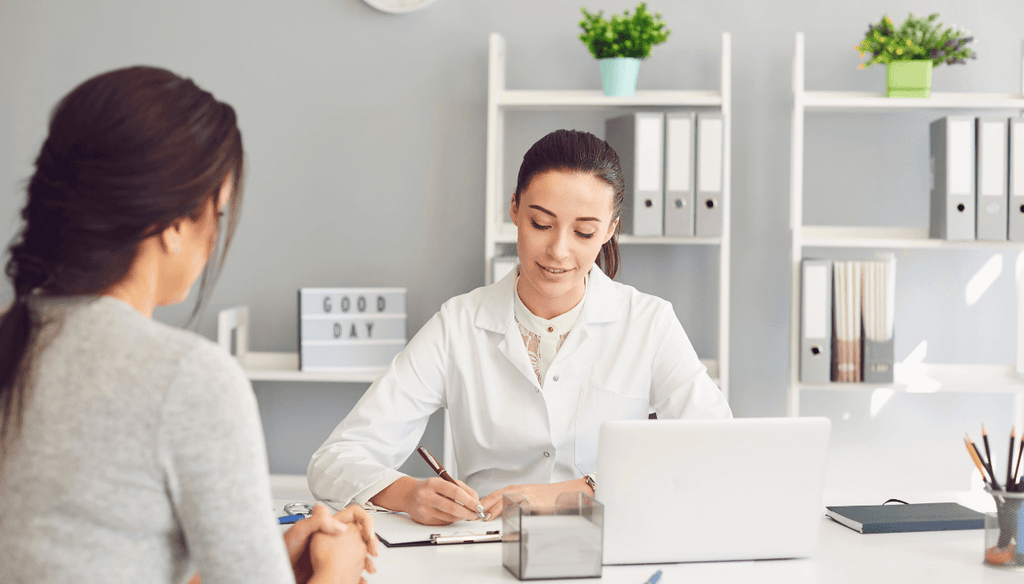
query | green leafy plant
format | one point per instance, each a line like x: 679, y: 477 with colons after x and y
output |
x: 623, y: 35
x: 920, y: 39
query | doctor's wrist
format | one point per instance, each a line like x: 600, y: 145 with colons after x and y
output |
x: 397, y: 496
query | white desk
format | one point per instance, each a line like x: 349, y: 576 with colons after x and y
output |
x: 843, y: 557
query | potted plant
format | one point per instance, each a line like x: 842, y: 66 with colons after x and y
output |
x: 910, y: 51
x: 620, y: 43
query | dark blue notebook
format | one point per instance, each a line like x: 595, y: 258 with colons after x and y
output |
x: 900, y: 518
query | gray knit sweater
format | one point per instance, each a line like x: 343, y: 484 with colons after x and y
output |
x: 142, y: 459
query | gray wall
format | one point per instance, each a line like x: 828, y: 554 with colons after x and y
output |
x: 365, y: 136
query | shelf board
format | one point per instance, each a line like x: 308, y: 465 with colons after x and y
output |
x: 886, y: 237
x: 285, y: 367
x: 939, y: 378
x: 869, y: 101
x: 540, y: 99
x: 634, y: 240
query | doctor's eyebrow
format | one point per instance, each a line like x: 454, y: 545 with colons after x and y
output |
x: 543, y: 210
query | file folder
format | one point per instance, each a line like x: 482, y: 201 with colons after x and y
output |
x: 879, y: 298
x: 992, y: 177
x: 846, y: 348
x: 710, y: 136
x: 639, y: 141
x: 679, y: 173
x: 816, y: 321
x: 952, y: 162
x: 1016, y: 182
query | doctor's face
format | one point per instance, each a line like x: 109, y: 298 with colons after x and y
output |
x: 563, y: 219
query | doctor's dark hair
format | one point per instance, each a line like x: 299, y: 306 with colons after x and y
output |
x: 578, y: 152
x: 129, y: 152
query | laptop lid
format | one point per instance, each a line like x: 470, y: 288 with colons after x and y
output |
x: 708, y: 490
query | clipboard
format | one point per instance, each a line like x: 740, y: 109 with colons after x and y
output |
x: 399, y: 530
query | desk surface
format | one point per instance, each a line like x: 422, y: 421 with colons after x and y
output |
x: 843, y: 556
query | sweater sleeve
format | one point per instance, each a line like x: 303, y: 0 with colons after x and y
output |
x: 213, y: 452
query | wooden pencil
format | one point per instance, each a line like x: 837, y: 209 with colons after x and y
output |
x: 990, y: 475
x: 974, y: 457
x: 988, y: 457
x: 1016, y: 471
x: 1009, y: 459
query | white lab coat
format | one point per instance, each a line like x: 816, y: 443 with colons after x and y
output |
x: 626, y: 354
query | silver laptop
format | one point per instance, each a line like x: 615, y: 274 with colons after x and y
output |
x: 709, y: 490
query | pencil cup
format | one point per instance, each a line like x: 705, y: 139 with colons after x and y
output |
x: 1003, y: 533
x: 560, y: 541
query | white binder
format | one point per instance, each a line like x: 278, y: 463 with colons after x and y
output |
x: 710, y: 137
x: 1016, y: 168
x: 993, y: 143
x: 679, y: 173
x: 639, y: 141
x: 816, y: 321
x: 879, y: 299
x: 952, y: 161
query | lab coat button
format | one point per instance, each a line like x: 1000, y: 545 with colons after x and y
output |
x: 555, y: 378
x: 547, y: 454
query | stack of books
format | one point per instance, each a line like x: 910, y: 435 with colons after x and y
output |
x: 977, y: 178
x: 847, y: 320
x: 350, y: 328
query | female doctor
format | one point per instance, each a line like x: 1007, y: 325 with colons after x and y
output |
x: 529, y: 367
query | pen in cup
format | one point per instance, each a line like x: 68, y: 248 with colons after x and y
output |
x: 441, y: 472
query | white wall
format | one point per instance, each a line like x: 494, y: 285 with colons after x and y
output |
x: 365, y: 136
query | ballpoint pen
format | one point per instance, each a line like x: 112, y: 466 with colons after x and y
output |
x: 441, y: 472
x: 654, y: 578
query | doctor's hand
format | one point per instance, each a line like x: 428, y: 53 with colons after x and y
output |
x: 432, y: 501
x: 542, y: 495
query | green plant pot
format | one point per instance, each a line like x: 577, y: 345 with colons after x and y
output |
x: 618, y: 75
x: 908, y: 79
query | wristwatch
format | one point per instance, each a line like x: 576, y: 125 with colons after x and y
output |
x: 591, y: 481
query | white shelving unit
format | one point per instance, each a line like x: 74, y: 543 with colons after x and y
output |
x: 500, y: 100
x: 965, y: 378
x: 233, y: 323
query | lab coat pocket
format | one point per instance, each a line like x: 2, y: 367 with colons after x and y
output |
x: 597, y: 406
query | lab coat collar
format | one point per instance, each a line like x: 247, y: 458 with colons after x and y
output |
x: 495, y: 312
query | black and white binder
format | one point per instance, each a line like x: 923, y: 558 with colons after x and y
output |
x: 992, y: 176
x: 1016, y: 183
x: 639, y: 140
x: 679, y: 175
x: 816, y: 321
x: 710, y: 137
x: 952, y: 178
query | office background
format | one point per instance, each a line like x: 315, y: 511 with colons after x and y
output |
x: 365, y: 139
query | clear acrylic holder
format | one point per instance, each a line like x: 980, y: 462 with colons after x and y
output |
x: 1004, y: 531
x: 545, y: 542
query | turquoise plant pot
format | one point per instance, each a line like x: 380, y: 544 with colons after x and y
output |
x: 908, y: 79
x: 618, y: 76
